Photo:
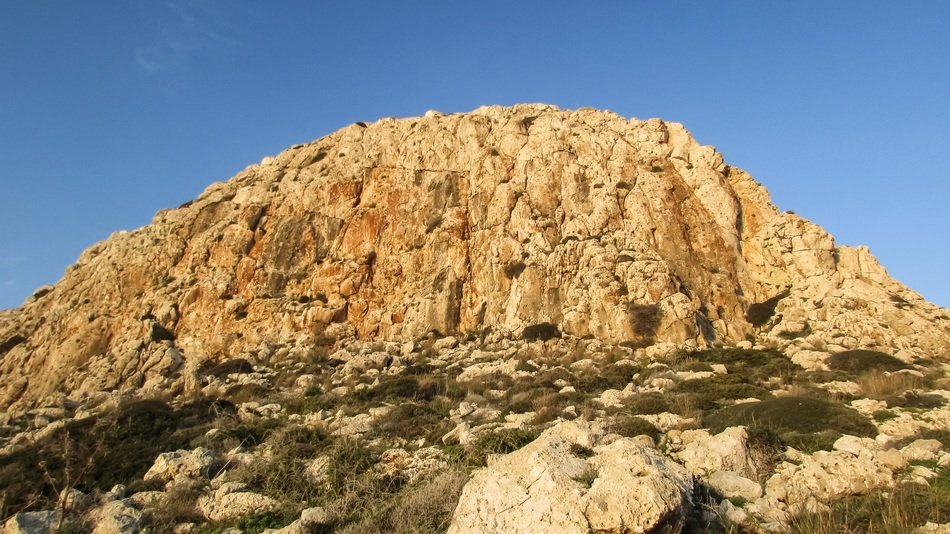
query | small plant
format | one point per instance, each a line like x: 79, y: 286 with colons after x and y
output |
x: 581, y: 451
x: 588, y: 477
x: 856, y: 362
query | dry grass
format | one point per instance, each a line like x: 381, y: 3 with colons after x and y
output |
x: 877, y: 384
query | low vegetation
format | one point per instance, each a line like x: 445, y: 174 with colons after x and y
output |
x: 413, y: 407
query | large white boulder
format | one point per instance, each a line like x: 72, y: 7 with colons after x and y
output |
x: 570, y: 480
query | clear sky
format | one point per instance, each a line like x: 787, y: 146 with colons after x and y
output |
x: 112, y: 110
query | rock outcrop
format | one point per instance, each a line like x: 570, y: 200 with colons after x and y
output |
x: 502, y: 218
x: 568, y: 481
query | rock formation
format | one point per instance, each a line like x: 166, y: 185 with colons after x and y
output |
x: 502, y: 218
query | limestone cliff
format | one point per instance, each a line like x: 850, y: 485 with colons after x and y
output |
x: 505, y: 217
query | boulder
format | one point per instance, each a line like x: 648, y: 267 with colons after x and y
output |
x: 116, y: 517
x: 569, y: 480
x: 169, y: 466
x: 44, y: 522
x: 703, y: 454
x: 230, y: 501
x: 729, y: 484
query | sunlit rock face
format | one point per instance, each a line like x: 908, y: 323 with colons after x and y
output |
x: 502, y: 218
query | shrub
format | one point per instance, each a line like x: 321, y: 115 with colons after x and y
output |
x: 409, y: 421
x: 710, y: 393
x: 513, y: 269
x: 540, y: 332
x: 804, y: 423
x: 856, y: 362
x: 628, y: 427
x: 647, y: 404
x: 82, y: 453
x: 228, y: 367
x: 759, y: 313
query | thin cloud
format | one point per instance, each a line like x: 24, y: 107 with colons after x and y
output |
x: 10, y: 261
x: 185, y: 31
x: 7, y: 283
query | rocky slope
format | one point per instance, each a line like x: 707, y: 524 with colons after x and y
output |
x: 504, y: 218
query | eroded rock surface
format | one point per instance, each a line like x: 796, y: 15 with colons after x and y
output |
x: 505, y: 217
x: 568, y: 481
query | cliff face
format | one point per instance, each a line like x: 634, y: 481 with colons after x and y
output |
x: 505, y: 217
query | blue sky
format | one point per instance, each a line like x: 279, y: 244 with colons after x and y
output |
x: 112, y: 110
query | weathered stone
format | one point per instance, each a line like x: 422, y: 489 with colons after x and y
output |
x: 116, y: 517
x: 579, y: 223
x: 32, y: 523
x: 548, y: 486
x: 703, y: 454
x: 189, y: 464
x: 230, y: 502
x: 730, y: 484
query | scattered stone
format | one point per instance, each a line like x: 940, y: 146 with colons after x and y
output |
x: 116, y: 517
x: 182, y: 463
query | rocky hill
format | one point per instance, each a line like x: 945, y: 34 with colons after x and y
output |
x: 518, y: 318
x: 502, y: 218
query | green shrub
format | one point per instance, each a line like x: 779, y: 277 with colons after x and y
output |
x: 228, y: 367
x: 856, y: 362
x: 912, y: 399
x: 804, y: 423
x: 83, y: 453
x: 499, y: 442
x: 647, y: 404
x: 710, y: 393
x: 410, y: 421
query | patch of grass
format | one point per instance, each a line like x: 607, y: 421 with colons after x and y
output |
x: 526, y: 366
x: 398, y: 388
x: 710, y: 393
x: 412, y: 420
x: 588, y: 477
x: 912, y: 399
x: 499, y: 442
x: 856, y: 362
x: 804, y: 423
x: 765, y: 451
x: 629, y: 427
x: 647, y: 404
x: 902, y: 510
x: 423, y: 507
x: 751, y: 364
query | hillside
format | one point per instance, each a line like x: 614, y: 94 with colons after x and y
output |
x: 430, y: 291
